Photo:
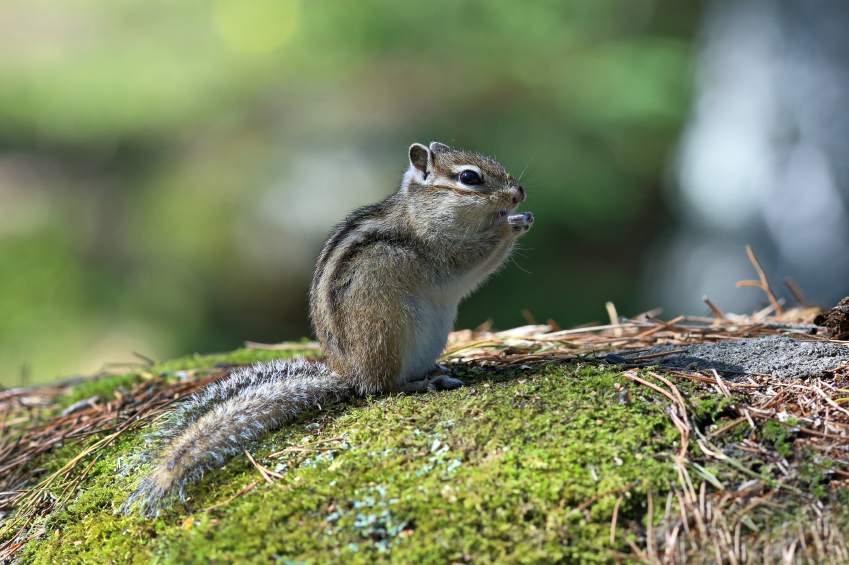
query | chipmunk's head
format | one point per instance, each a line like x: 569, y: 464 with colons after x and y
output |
x: 472, y: 189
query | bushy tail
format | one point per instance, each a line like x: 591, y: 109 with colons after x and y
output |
x: 222, y: 418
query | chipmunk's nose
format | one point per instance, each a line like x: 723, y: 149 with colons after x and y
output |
x: 519, y: 197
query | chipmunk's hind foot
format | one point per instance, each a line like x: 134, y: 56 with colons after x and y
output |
x: 444, y: 382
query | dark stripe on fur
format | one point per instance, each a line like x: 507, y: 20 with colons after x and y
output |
x: 336, y: 284
x: 356, y: 219
x: 465, y: 191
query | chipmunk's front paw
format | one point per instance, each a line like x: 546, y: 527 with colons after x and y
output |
x: 443, y: 382
x: 521, y: 222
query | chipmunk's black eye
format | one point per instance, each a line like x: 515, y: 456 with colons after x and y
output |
x: 470, y: 177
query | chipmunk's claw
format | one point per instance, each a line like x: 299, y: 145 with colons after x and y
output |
x: 521, y: 222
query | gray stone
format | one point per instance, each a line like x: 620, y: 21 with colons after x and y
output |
x: 779, y: 356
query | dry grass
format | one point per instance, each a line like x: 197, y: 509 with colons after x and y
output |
x: 24, y: 449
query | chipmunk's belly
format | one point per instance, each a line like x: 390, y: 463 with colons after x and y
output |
x: 427, y: 337
x: 428, y: 332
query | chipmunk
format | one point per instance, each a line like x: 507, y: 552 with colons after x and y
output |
x: 383, y: 297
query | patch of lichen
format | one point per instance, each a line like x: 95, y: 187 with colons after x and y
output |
x: 493, y: 472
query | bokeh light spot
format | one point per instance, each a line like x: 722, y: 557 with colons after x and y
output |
x: 256, y: 26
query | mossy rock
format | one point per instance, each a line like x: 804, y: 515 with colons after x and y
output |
x: 522, y: 465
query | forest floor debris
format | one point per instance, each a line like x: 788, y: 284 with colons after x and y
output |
x: 730, y: 444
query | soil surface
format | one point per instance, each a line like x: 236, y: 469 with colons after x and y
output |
x: 781, y: 357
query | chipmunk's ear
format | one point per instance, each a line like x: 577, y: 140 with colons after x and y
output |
x: 436, y: 147
x: 420, y: 158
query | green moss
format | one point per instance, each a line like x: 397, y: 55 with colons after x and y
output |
x: 237, y: 357
x: 781, y: 437
x: 708, y: 408
x: 102, y: 387
x: 491, y: 472
x: 518, y: 466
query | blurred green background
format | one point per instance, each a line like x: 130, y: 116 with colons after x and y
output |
x: 169, y: 170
